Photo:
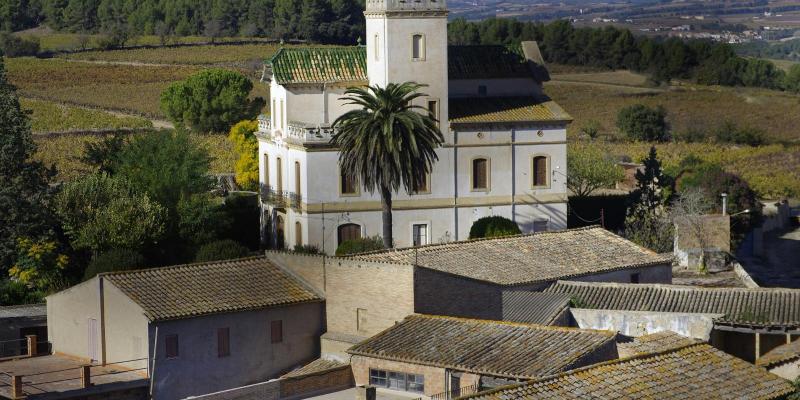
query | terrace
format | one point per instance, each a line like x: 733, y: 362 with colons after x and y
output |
x: 296, y: 131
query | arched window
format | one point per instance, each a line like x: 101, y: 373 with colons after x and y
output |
x: 418, y: 47
x: 298, y: 234
x: 540, y: 171
x: 278, y: 175
x: 297, y: 179
x: 348, y: 232
x: 480, y: 174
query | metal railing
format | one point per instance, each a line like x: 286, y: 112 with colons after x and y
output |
x: 463, y: 391
x: 22, y: 347
x: 281, y: 199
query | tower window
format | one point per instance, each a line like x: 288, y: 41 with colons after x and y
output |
x: 298, y: 234
x: 348, y: 185
x: 297, y: 179
x: 540, y: 171
x: 377, y: 47
x: 278, y: 175
x: 480, y: 174
x: 433, y: 110
x: 418, y: 47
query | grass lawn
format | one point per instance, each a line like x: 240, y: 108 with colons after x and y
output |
x: 64, y: 152
x: 47, y: 116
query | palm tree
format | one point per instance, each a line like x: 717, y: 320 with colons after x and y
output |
x: 387, y: 142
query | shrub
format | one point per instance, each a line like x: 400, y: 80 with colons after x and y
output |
x: 221, y: 250
x: 643, y: 123
x: 14, y: 46
x: 730, y: 133
x: 591, y: 128
x: 306, y: 249
x: 492, y: 227
x: 114, y: 260
x: 361, y: 245
x: 246, y: 146
x: 211, y: 100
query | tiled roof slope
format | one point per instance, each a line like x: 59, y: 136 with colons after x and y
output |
x: 320, y: 64
x: 222, y: 286
x: 654, y: 343
x: 533, y: 307
x: 781, y: 354
x: 692, y: 372
x: 24, y: 311
x: 348, y: 64
x: 475, y: 110
x: 532, y: 258
x: 752, y: 307
x: 497, y: 348
x: 315, y: 367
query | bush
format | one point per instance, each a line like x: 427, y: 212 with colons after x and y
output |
x: 211, y: 100
x: 14, y: 46
x: 730, y: 133
x: 246, y: 146
x: 361, y: 245
x: 642, y: 123
x: 114, y: 260
x: 221, y: 250
x: 492, y: 227
x: 306, y: 249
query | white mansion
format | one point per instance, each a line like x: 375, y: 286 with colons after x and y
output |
x: 505, y: 141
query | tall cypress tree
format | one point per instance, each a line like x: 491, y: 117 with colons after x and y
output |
x: 24, y: 183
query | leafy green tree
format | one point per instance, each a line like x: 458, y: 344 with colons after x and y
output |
x: 100, y: 212
x: 643, y: 123
x: 39, y: 264
x: 114, y: 260
x: 24, y: 183
x: 493, y: 226
x: 201, y: 219
x: 387, y: 143
x: 221, y: 250
x: 211, y: 100
x: 245, y: 145
x: 103, y: 155
x: 167, y: 166
x: 589, y: 169
x: 792, y: 79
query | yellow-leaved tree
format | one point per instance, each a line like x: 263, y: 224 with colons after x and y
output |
x: 246, y: 146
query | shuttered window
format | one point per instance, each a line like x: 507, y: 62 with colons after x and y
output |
x: 171, y: 346
x: 348, y: 184
x: 276, y: 331
x: 298, y: 234
x: 480, y: 174
x: 223, y: 342
x: 349, y: 232
x: 297, y: 179
x: 278, y: 174
x: 539, y: 171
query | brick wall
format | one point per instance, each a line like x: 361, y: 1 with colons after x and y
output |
x: 434, y: 376
x: 309, y: 267
x: 322, y: 382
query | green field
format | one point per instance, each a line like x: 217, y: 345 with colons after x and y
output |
x: 193, y: 55
x: 47, y: 116
x: 600, y: 96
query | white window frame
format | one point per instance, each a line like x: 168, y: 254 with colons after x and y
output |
x: 427, y: 232
x: 548, y: 173
x: 422, y: 46
x: 488, y: 174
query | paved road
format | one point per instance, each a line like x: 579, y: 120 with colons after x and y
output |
x: 780, y: 265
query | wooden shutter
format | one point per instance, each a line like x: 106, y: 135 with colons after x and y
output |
x: 171, y: 344
x: 279, y: 175
x: 480, y: 173
x: 348, y: 184
x: 297, y: 179
x: 349, y: 232
x: 540, y: 171
x: 276, y: 331
x: 223, y: 342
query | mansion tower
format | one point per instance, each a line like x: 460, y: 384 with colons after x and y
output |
x: 505, y: 141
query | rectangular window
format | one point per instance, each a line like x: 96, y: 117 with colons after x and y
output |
x: 266, y: 170
x: 377, y: 377
x: 276, y: 331
x: 280, y: 114
x: 223, y: 342
x: 397, y: 380
x: 377, y: 45
x: 420, y: 234
x: 348, y: 184
x: 415, y: 383
x: 297, y: 179
x: 539, y: 171
x: 635, y: 278
x: 433, y: 110
x: 480, y: 174
x: 171, y: 346
x: 418, y: 47
x: 278, y: 175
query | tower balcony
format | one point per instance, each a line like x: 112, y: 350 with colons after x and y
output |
x: 280, y: 198
x: 406, y: 5
x: 296, y: 132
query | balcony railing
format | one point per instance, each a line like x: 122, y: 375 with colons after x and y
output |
x: 264, y: 123
x: 281, y: 199
x: 471, y: 389
x: 403, y: 5
x: 297, y: 132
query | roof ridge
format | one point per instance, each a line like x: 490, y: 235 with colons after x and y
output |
x: 187, y: 265
x: 670, y: 286
x: 513, y: 323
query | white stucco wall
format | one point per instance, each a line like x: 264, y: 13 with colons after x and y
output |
x: 789, y: 370
x: 639, y: 323
x: 68, y: 313
x: 125, y: 329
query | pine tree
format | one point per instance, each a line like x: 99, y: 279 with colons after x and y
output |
x: 24, y: 183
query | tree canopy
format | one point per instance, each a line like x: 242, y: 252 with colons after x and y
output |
x: 643, y: 123
x: 589, y: 169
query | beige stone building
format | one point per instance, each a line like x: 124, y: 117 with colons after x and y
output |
x: 448, y: 356
x: 193, y: 329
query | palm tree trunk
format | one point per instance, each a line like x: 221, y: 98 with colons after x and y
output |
x: 386, y: 205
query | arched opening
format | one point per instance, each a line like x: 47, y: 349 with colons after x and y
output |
x: 280, y: 229
x: 348, y: 232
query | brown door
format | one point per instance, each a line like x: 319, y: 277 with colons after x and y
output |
x: 349, y: 232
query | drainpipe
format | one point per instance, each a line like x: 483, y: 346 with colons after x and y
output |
x: 101, y: 289
x: 513, y: 175
x: 324, y: 103
x: 724, y: 203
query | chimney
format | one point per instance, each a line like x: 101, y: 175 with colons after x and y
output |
x: 365, y: 392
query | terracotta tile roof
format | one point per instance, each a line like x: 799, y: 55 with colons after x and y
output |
x: 532, y: 258
x: 320, y: 64
x: 533, y: 307
x: 473, y: 110
x: 781, y: 354
x: 497, y: 348
x: 348, y: 64
x: 696, y: 371
x: 738, y: 306
x: 315, y: 367
x: 491, y: 61
x: 189, y: 290
x: 654, y: 343
x: 24, y: 311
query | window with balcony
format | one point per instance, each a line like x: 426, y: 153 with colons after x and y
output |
x: 480, y: 174
x: 418, y: 47
x: 540, y: 171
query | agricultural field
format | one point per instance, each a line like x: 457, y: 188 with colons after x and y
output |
x: 48, y: 117
x: 600, y: 96
x: 64, y: 150
x: 770, y: 170
x: 783, y: 64
x: 192, y: 55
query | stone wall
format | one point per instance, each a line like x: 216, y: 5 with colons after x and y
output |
x: 308, y: 267
x: 317, y: 383
x: 434, y: 376
x: 639, y: 323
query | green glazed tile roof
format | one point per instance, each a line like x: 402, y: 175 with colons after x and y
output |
x: 696, y: 371
x: 320, y: 64
x: 477, y: 110
x: 348, y: 64
x: 184, y: 291
x: 497, y: 348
